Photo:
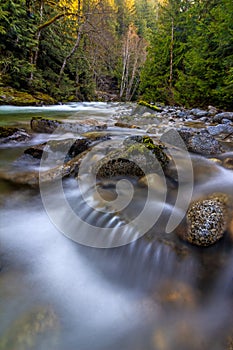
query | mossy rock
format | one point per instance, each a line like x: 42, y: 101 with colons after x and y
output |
x: 140, y: 156
x: 44, y: 125
x: 10, y: 96
x: 6, y: 132
x: 146, y: 104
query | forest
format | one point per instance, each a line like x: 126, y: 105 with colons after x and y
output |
x: 177, y: 52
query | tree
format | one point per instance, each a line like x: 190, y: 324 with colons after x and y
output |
x: 15, y: 46
x: 134, y: 55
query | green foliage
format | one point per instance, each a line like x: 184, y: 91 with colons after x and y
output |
x: 202, y: 53
x: 189, y: 58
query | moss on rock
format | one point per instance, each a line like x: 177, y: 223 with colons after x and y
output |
x: 146, y: 104
x: 140, y: 156
x: 10, y: 96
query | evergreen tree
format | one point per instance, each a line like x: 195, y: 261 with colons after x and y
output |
x: 16, y: 43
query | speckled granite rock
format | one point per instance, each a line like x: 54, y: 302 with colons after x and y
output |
x: 200, y: 142
x: 207, y: 220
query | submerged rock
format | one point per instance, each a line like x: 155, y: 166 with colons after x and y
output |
x: 207, y: 220
x: 139, y: 156
x: 175, y: 294
x: 34, y: 178
x: 43, y: 125
x: 31, y: 330
x: 8, y: 134
x: 35, y: 151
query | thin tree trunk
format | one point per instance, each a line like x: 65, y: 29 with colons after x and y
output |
x: 74, y: 49
x: 34, y: 56
x: 171, y: 55
x: 133, y: 74
x: 124, y: 70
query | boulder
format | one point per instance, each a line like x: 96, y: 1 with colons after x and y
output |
x: 198, y: 113
x: 35, y: 151
x: 220, y: 129
x: 34, y: 178
x: 200, y: 142
x: 43, y: 125
x: 9, y: 134
x: 224, y: 115
x: 139, y: 156
x: 207, y: 219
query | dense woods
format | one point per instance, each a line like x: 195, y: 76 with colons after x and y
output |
x: 174, y: 51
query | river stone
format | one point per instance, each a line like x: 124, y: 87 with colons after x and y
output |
x: 219, y: 129
x: 8, y: 134
x: 212, y: 110
x: 200, y: 142
x: 139, y: 156
x: 35, y: 151
x: 173, y: 293
x: 204, y: 144
x: 198, y: 113
x: 226, y: 115
x: 228, y: 163
x: 207, y: 220
x: 126, y: 125
x: 34, y: 178
x: 43, y: 125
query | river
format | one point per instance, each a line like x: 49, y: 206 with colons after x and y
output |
x: 59, y: 293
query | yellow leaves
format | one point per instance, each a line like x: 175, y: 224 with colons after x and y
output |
x: 129, y: 4
x: 163, y: 2
x: 71, y: 6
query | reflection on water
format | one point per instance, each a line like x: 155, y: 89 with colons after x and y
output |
x: 155, y: 293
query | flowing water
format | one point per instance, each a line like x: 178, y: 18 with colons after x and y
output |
x: 155, y: 292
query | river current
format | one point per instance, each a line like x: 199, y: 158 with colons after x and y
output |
x: 148, y: 294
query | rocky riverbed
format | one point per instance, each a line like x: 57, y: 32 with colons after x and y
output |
x: 208, y: 133
x: 179, y: 163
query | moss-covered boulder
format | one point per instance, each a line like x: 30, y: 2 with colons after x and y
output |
x: 138, y: 157
x: 149, y: 105
x: 44, y: 125
x: 10, y: 96
x: 207, y: 219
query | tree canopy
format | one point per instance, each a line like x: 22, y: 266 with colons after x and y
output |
x: 171, y: 51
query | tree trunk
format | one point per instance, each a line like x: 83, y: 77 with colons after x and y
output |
x: 34, y: 55
x: 171, y: 55
x: 74, y: 49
